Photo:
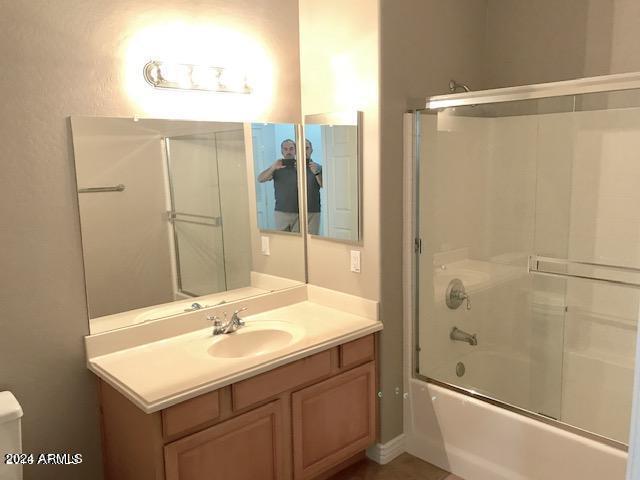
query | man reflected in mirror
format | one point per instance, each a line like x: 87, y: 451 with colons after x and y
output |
x: 314, y: 184
x: 284, y: 174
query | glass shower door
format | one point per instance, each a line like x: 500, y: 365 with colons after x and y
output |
x: 196, y: 214
x: 477, y: 220
x: 587, y: 237
x: 529, y: 269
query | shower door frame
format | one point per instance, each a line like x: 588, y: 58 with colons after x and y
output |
x: 600, y: 84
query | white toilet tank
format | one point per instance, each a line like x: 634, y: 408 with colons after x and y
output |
x: 10, y: 435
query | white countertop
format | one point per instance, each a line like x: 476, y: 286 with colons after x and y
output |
x: 162, y: 373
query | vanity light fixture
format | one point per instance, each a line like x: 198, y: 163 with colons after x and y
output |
x: 195, y: 77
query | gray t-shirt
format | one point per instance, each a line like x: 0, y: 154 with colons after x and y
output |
x: 313, y: 192
x: 285, y: 184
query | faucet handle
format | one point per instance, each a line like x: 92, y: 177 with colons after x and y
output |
x: 236, y: 319
x: 215, y: 319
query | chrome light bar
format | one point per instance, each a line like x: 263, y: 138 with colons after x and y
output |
x: 195, y: 77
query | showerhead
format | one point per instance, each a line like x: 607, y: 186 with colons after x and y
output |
x: 454, y: 86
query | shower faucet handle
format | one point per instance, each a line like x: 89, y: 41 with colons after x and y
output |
x: 456, y: 294
x: 463, y: 296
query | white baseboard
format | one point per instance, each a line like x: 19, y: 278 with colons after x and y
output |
x: 383, y: 453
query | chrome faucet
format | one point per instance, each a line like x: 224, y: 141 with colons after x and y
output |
x: 194, y: 306
x: 220, y: 327
x: 462, y: 336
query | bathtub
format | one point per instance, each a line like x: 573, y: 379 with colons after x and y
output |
x: 479, y: 441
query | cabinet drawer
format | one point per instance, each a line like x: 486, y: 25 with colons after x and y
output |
x: 333, y: 420
x: 189, y: 415
x: 247, y: 447
x: 357, y: 352
x: 281, y: 379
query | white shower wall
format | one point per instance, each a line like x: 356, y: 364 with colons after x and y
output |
x: 604, y: 228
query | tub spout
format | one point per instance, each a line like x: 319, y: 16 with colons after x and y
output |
x: 462, y: 336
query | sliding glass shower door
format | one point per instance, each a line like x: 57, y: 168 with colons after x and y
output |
x: 529, y: 267
x: 196, y: 214
x: 207, y: 181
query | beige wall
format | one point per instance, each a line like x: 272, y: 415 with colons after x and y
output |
x: 546, y: 40
x: 423, y: 45
x: 125, y: 234
x: 69, y: 58
x: 339, y: 72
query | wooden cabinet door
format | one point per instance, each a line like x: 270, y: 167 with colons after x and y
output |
x: 247, y: 447
x: 333, y: 420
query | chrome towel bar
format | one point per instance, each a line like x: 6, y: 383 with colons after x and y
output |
x: 173, y: 217
x: 613, y: 274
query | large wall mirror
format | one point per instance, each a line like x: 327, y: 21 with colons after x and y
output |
x: 171, y: 219
x: 333, y: 156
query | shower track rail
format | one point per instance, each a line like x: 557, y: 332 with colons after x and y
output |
x: 603, y: 83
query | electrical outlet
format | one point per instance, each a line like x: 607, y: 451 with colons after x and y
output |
x: 265, y: 246
x: 355, y: 261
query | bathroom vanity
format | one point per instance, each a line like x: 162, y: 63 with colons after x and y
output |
x: 180, y: 233
x: 297, y: 421
x: 184, y: 408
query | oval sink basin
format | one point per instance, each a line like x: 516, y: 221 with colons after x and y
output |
x: 254, y: 340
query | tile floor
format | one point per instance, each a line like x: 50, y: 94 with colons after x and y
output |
x: 405, y: 467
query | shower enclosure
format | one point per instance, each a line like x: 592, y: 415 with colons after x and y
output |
x: 207, y: 174
x: 527, y: 252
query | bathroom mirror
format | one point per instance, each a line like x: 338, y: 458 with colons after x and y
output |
x: 275, y: 165
x: 333, y: 175
x: 169, y: 219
